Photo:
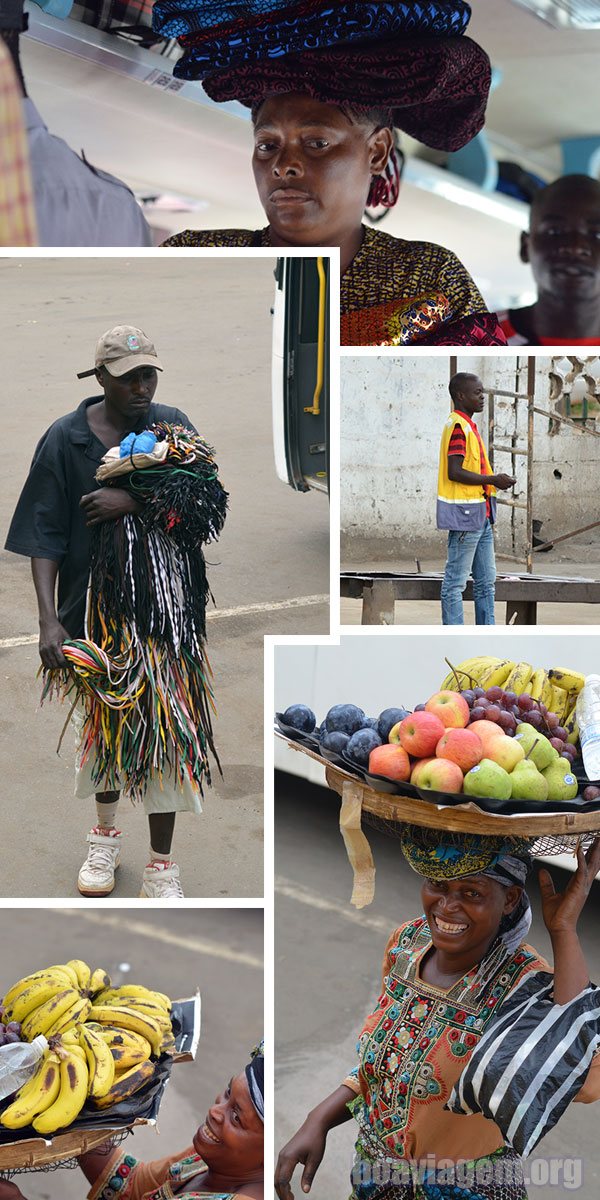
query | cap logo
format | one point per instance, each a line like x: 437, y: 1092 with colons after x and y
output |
x: 133, y: 341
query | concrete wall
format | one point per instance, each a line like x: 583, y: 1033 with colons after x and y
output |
x: 393, y: 409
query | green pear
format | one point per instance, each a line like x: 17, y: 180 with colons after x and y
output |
x: 528, y: 783
x: 562, y: 785
x: 536, y: 746
x: 489, y: 780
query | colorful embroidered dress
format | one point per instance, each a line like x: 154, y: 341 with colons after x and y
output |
x: 394, y: 293
x: 125, y: 1178
x: 412, y: 1050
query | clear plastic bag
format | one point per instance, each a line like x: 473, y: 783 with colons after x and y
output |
x: 18, y: 1061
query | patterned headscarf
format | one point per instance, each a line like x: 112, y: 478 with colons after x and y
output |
x: 255, y: 1075
x: 507, y: 862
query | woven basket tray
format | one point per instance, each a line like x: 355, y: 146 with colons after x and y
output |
x: 550, y: 833
x: 35, y: 1152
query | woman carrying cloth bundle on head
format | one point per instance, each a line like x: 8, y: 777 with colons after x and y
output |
x: 447, y: 976
x: 327, y: 85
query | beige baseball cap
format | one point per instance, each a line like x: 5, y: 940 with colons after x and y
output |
x: 123, y: 349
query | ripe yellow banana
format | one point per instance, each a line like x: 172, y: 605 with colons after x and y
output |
x: 133, y: 991
x: 518, y: 679
x: 71, y: 973
x: 54, y: 975
x: 44, y: 1018
x: 569, y: 681
x: 82, y: 972
x: 144, y: 1006
x: 71, y: 1098
x: 469, y: 672
x: 571, y: 725
x: 35, y: 1096
x: 101, y: 1064
x: 126, y: 1047
x: 31, y: 998
x: 129, y: 1018
x: 128, y: 1083
x: 495, y: 676
x: 99, y: 981
x: 536, y: 683
x: 547, y: 693
x: 76, y: 1015
x: 558, y: 702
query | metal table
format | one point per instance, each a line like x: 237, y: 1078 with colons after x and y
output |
x: 379, y: 590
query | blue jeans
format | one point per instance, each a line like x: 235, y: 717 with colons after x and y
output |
x: 469, y: 553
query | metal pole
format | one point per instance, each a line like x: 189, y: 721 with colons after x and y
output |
x: 530, y: 448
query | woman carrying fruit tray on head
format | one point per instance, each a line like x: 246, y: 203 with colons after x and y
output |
x: 446, y: 977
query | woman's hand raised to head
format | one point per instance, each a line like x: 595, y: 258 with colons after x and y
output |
x: 561, y: 910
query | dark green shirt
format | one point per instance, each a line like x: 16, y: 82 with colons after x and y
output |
x: 48, y: 522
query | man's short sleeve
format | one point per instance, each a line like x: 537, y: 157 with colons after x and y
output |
x: 41, y: 523
x: 458, y: 442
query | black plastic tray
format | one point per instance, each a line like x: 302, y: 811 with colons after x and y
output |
x: 506, y: 808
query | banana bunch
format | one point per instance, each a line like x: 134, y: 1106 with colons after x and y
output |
x: 138, y: 1010
x: 55, y: 1000
x: 557, y: 688
x: 101, y: 1041
x: 54, y: 1096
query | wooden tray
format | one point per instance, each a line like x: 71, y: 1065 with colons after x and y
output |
x: 35, y: 1152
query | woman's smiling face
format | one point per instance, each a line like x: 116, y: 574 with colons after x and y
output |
x: 464, y: 915
x: 313, y: 167
x: 230, y: 1140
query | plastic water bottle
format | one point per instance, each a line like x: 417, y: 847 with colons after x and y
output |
x: 18, y: 1061
x: 588, y: 719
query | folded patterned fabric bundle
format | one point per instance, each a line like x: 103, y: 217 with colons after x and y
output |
x: 531, y: 1062
x: 348, y: 21
x: 302, y: 24
x: 434, y: 88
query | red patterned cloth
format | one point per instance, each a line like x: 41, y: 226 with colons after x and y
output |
x: 436, y: 89
x: 17, y: 215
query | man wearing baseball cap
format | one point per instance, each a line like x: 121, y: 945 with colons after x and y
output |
x: 58, y: 504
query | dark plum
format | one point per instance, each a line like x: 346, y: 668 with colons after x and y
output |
x: 345, y: 718
x: 335, y: 741
x: 359, y: 746
x: 300, y: 717
x: 387, y: 719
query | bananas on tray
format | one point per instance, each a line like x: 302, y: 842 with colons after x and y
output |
x: 556, y: 687
x: 101, y: 1042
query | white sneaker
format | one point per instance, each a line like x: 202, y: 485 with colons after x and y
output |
x: 97, y: 875
x: 161, y: 882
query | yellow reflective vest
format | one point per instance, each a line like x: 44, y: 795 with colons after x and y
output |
x: 459, y: 505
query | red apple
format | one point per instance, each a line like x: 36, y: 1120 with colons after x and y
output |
x: 461, y: 746
x: 418, y: 733
x: 437, y: 775
x: 391, y: 761
x: 487, y: 731
x: 451, y: 708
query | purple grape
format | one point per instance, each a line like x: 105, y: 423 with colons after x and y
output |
x: 557, y: 743
x: 469, y: 696
x: 483, y: 703
x: 14, y: 1027
x: 552, y: 721
x: 535, y: 719
x: 478, y: 693
x: 493, y: 713
x: 495, y: 694
x: 525, y: 702
x: 9, y: 1036
x: 419, y: 708
x: 560, y: 731
x: 508, y: 722
x: 477, y: 714
x: 510, y: 698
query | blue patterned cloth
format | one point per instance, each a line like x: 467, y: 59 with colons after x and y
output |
x: 270, y: 27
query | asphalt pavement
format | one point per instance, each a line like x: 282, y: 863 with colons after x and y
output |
x: 327, y: 973
x: 220, y: 952
x: 211, y: 324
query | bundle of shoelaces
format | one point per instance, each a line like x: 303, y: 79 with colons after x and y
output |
x: 142, y: 672
x: 408, y: 56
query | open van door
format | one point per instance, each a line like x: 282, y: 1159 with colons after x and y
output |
x: 300, y: 374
